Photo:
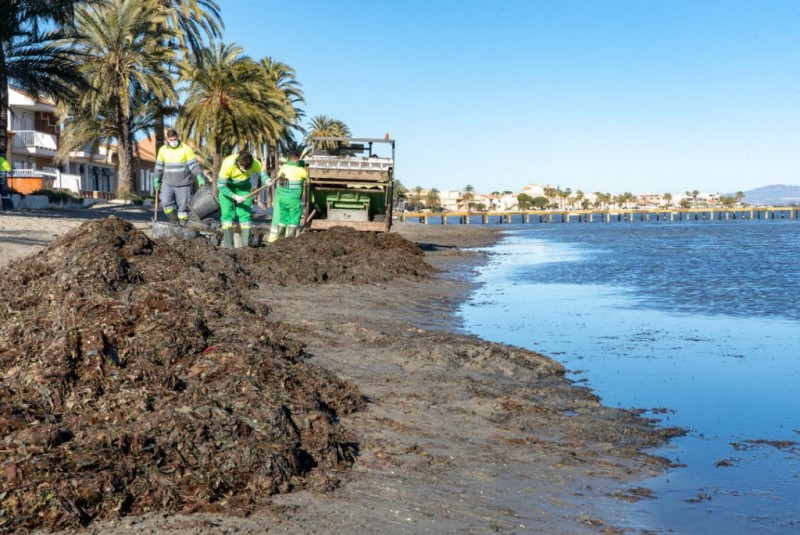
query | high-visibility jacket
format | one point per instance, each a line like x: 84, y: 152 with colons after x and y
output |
x: 176, y: 167
x: 5, y: 170
x: 231, y: 176
x: 291, y: 175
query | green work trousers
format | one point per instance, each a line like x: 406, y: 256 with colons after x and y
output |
x: 286, y: 213
x: 230, y: 210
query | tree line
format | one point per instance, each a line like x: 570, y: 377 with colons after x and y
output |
x: 119, y: 70
x: 551, y: 198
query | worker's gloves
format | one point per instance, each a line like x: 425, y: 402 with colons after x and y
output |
x: 157, y: 182
x: 201, y: 181
x: 238, y: 198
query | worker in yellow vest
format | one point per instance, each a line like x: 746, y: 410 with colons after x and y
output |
x: 5, y: 172
x: 288, y: 204
x: 234, y: 188
x: 176, y: 165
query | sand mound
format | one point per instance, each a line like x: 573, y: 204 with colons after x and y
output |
x: 137, y: 376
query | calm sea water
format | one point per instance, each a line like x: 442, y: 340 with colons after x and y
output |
x: 700, y: 318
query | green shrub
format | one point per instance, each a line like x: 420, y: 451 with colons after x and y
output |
x: 59, y: 195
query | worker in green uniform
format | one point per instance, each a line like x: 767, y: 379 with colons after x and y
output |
x: 5, y: 172
x: 234, y: 186
x: 176, y: 164
x: 288, y: 204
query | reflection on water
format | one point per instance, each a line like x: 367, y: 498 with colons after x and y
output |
x: 702, y: 319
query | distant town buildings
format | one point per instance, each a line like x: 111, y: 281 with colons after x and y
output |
x: 455, y: 200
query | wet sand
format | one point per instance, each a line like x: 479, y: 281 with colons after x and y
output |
x: 459, y: 435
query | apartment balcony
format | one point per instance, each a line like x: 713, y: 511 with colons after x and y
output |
x: 34, y: 143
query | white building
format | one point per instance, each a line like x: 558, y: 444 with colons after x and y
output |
x: 34, y: 135
x: 534, y: 190
x: 450, y: 200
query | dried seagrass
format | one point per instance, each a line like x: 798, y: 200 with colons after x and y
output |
x: 339, y: 254
x: 137, y: 376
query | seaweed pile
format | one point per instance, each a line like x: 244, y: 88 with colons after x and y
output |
x: 340, y: 254
x: 138, y: 376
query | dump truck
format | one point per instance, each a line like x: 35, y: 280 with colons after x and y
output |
x: 349, y: 183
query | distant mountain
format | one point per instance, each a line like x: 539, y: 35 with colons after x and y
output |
x: 777, y: 195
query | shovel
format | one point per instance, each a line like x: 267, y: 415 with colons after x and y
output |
x: 255, y: 191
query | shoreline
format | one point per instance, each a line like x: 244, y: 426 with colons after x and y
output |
x: 459, y: 434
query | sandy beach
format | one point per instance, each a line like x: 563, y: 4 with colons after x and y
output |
x: 458, y: 434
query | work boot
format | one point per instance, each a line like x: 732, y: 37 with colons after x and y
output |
x: 244, y: 234
x: 291, y: 231
x: 227, y: 238
x: 182, y: 221
x: 172, y: 216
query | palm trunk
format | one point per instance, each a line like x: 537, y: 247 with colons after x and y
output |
x: 160, y: 127
x: 216, y: 163
x: 124, y: 152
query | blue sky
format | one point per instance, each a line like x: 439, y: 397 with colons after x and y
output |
x: 608, y: 95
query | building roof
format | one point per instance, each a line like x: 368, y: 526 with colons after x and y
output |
x: 145, y: 149
x: 21, y: 99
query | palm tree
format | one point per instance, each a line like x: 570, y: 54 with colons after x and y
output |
x: 33, y: 59
x: 289, y: 144
x: 399, y: 192
x: 468, y: 195
x: 123, y: 58
x: 579, y: 196
x: 324, y: 126
x: 549, y: 192
x: 432, y: 199
x: 280, y: 113
x: 739, y: 197
x: 189, y: 24
x: 226, y: 103
x: 281, y: 83
x: 629, y: 197
x: 416, y: 197
x: 193, y: 23
x: 667, y: 198
x: 95, y: 126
